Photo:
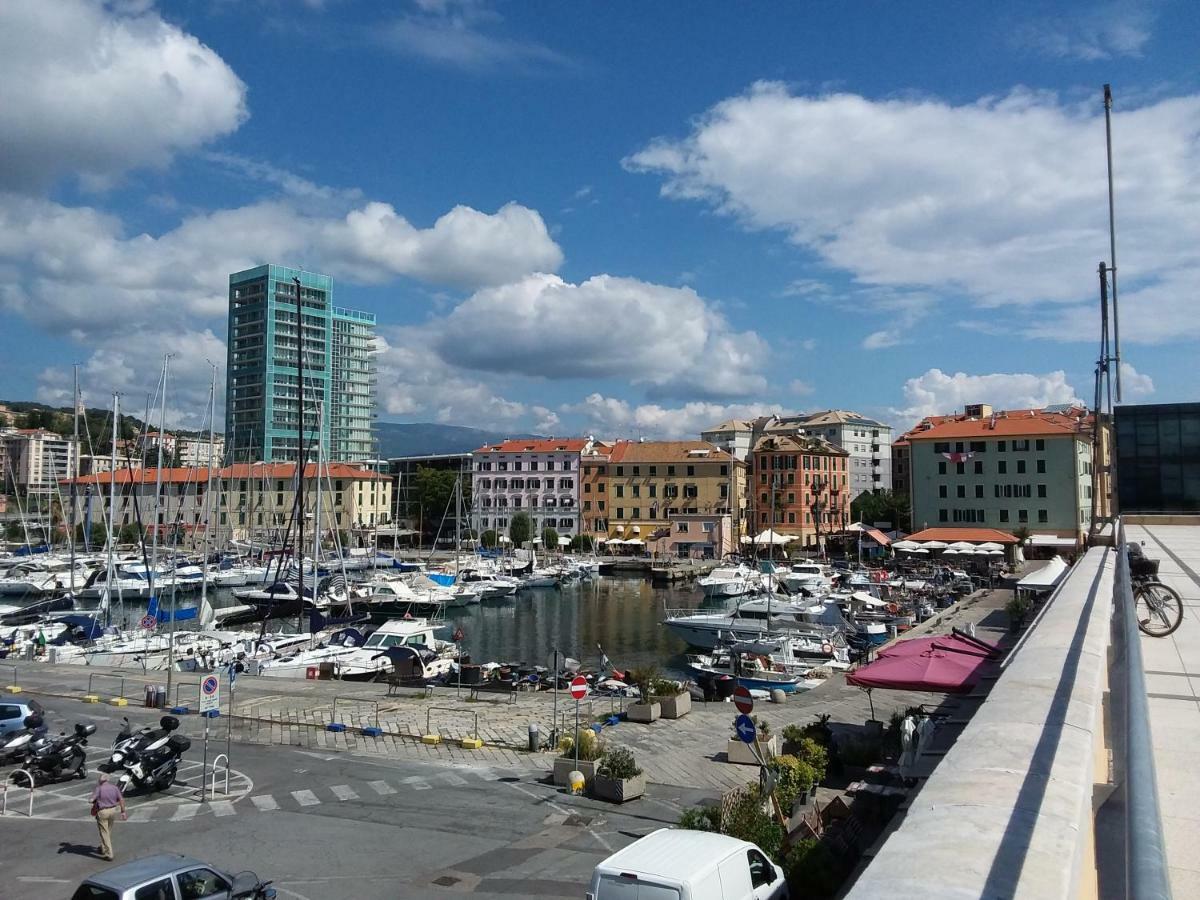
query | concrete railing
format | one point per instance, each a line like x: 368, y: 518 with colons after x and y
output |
x: 1009, y: 810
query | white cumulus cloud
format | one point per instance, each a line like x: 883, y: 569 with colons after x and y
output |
x: 1134, y: 382
x: 938, y: 393
x: 666, y: 338
x: 1002, y: 200
x: 95, y: 89
x: 613, y: 417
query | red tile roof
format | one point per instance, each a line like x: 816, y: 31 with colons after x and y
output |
x: 537, y: 445
x: 667, y: 451
x: 970, y: 535
x: 278, y: 471
x: 1007, y: 423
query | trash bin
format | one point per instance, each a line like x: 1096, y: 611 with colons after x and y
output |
x: 725, y: 686
x: 160, y: 696
x: 326, y: 671
x: 472, y: 674
x: 535, y: 738
x: 149, y: 696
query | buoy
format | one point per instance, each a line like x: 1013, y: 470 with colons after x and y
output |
x: 576, y: 781
x: 827, y: 648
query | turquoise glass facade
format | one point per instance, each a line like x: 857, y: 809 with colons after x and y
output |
x: 262, y: 413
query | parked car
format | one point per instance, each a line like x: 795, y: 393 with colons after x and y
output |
x: 169, y: 876
x: 14, y: 709
x: 677, y: 864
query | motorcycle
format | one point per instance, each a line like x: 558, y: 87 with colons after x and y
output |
x: 148, y: 758
x: 246, y: 886
x: 62, y: 756
x: 16, y: 745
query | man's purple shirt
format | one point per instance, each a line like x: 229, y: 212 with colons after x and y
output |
x: 106, y: 795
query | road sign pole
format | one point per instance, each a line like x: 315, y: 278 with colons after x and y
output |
x: 229, y: 724
x: 204, y: 764
x: 554, y: 675
x: 576, y: 735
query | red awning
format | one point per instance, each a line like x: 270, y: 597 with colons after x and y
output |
x: 936, y: 671
x: 950, y: 643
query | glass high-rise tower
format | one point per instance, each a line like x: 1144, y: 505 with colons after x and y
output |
x: 262, y: 392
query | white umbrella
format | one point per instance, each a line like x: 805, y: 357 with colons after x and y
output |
x: 746, y: 539
x: 950, y: 551
x: 564, y: 541
x: 856, y: 526
x: 934, y: 545
x: 960, y: 546
x: 635, y: 543
x: 905, y: 545
x: 995, y: 553
x: 773, y: 537
x: 989, y: 546
x: 504, y: 539
x: 919, y: 550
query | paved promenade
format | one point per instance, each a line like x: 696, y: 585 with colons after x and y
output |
x: 684, y: 752
x: 1173, y: 685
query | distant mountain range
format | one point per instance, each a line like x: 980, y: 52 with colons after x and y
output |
x: 430, y: 438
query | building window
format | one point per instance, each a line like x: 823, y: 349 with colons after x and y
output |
x: 1004, y: 515
x: 941, y: 447
x: 637, y: 512
x: 533, y: 465
x: 1039, y: 444
x: 1022, y: 515
x: 600, y: 505
x: 600, y: 488
x: 670, y: 470
x: 943, y: 491
x: 681, y: 527
x: 941, y: 468
x: 978, y: 467
x: 1043, y: 516
x: 1040, y: 466
x: 653, y: 513
x: 620, y: 490
x: 620, y: 470
x: 961, y: 490
x: 637, y: 490
x: 960, y: 468
x: 1001, y: 446
x: 620, y: 512
x: 587, y: 487
x: 637, y: 470
x: 654, y: 470
x: 691, y: 470
x: 549, y: 465
x: 1041, y: 488
x: 517, y: 466
x: 978, y: 446
x: 1002, y: 467
x: 1020, y: 467
x: 791, y: 518
x: 1021, y: 446
x: 979, y: 491
x: 943, y: 515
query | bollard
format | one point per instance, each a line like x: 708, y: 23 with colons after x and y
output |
x: 15, y: 686
x: 535, y: 738
x: 576, y: 782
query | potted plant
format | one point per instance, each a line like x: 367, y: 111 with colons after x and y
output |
x: 672, y: 697
x: 589, y: 751
x: 738, y: 751
x: 618, y: 777
x: 1017, y: 608
x: 647, y: 709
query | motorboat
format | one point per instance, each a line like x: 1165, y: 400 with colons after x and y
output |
x: 750, y: 670
x: 728, y: 581
x: 300, y: 660
x: 755, y: 619
x: 812, y: 577
x: 405, y: 645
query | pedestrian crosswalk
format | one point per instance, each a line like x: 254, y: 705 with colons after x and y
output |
x: 71, y: 801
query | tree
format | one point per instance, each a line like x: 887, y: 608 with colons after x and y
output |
x: 882, y: 506
x: 549, y: 539
x: 520, y: 529
x: 129, y: 534
x: 489, y: 539
x: 434, y: 490
x: 584, y: 542
x: 1021, y: 533
x: 13, y: 531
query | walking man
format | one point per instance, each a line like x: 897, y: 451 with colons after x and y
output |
x: 106, y: 802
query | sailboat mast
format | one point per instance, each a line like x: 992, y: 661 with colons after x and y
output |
x: 299, y: 554
x: 212, y: 410
x: 1112, y: 236
x: 74, y: 478
x: 112, y: 506
x: 162, y: 439
x: 317, y: 512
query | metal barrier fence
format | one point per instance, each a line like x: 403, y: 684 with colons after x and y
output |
x: 92, y: 677
x: 1146, y: 873
x: 474, y: 715
x: 372, y: 705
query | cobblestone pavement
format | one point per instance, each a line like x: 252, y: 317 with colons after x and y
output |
x: 688, y: 751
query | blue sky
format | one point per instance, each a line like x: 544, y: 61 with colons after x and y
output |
x: 616, y: 219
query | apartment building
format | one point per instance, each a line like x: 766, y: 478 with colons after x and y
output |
x: 735, y: 435
x: 253, y: 499
x: 867, y: 441
x: 1007, y: 469
x: 593, y: 481
x: 36, y: 460
x: 540, y: 477
x: 197, y: 451
x: 650, y: 483
x: 809, y: 478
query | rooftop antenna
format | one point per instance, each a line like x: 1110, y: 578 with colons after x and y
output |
x: 1112, y: 239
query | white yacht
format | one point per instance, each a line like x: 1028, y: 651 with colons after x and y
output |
x: 728, y: 581
x: 417, y: 652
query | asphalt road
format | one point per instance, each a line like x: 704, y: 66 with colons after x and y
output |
x: 332, y: 825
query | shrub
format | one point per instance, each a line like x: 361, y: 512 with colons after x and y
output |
x: 644, y: 677
x: 618, y: 762
x: 860, y: 751
x: 489, y: 539
x: 811, y: 870
x: 665, y: 687
x: 747, y: 820
x: 814, y: 756
x: 792, y: 778
x: 792, y: 736
x: 701, y: 818
x: 589, y: 746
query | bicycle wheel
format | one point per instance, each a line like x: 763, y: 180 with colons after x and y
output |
x: 1158, y: 608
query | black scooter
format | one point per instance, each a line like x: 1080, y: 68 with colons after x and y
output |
x: 16, y: 745
x: 62, y: 757
x: 149, y: 758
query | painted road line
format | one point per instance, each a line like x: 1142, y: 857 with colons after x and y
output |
x: 141, y: 814
x: 222, y: 808
x: 264, y: 802
x: 186, y: 811
x: 417, y: 783
x: 344, y: 792
x: 487, y: 774
x: 452, y: 779
x: 381, y: 787
x: 306, y: 798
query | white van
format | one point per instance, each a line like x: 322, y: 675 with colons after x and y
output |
x: 676, y: 864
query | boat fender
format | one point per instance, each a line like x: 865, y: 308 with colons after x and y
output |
x: 827, y: 648
x: 893, y: 608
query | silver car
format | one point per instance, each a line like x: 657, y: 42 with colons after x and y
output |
x: 14, y: 709
x: 169, y: 876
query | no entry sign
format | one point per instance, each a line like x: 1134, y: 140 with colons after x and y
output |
x: 742, y: 699
x: 579, y: 687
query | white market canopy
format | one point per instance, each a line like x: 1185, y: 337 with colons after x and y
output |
x: 633, y: 543
x: 950, y: 551
x: 905, y: 545
x: 917, y: 550
x: 564, y: 541
x: 773, y: 537
x: 989, y: 546
x: 962, y: 546
x: 1045, y: 578
x: 934, y: 545
x: 857, y: 526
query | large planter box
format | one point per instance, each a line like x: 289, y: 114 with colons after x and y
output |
x: 643, y: 712
x: 619, y: 790
x: 676, y: 707
x: 564, y: 767
x: 739, y: 751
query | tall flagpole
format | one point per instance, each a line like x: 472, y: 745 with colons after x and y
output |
x: 1112, y: 237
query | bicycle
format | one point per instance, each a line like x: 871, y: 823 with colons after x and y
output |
x: 1158, y: 607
